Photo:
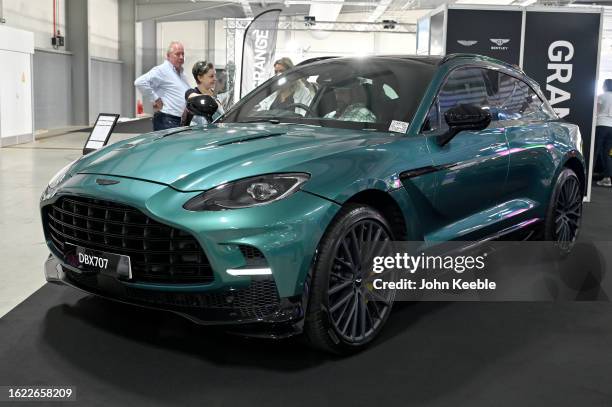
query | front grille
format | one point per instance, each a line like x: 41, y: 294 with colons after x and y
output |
x: 158, y: 253
x: 258, y: 300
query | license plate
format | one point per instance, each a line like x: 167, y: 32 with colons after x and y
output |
x: 91, y: 261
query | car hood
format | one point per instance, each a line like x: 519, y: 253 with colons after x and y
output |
x: 192, y: 159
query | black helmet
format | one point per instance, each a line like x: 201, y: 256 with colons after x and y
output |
x: 202, y: 105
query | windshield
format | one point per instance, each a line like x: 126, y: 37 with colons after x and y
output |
x: 366, y: 93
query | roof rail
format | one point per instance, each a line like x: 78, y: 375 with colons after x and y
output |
x: 450, y: 57
x: 312, y: 60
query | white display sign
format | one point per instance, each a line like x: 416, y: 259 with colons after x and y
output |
x: 105, y: 123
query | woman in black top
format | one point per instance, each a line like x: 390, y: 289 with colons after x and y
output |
x: 205, y: 76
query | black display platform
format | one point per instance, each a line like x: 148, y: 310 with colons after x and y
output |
x: 430, y: 354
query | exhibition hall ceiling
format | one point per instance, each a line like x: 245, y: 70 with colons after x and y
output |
x: 188, y: 10
x: 177, y: 10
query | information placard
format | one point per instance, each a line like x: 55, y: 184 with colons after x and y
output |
x: 98, y: 138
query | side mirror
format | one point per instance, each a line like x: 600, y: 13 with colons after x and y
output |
x: 202, y: 105
x: 464, y: 117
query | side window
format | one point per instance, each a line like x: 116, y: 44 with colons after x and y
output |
x: 463, y: 86
x: 432, y: 122
x: 512, y: 99
x: 532, y: 106
x: 501, y: 89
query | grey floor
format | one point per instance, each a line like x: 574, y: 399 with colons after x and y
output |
x: 24, y: 172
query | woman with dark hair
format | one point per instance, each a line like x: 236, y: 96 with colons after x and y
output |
x: 205, y: 76
x: 603, y: 134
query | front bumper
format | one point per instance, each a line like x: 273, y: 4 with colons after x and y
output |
x: 255, y: 304
x: 287, y: 232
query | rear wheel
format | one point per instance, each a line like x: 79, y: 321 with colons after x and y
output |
x: 564, y: 215
x: 345, y: 312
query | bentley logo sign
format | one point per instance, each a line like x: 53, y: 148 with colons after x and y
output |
x: 102, y: 181
x: 499, y: 41
x: 467, y: 43
x: 499, y: 44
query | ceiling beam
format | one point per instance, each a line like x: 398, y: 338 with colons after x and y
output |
x: 379, y: 10
x: 157, y: 11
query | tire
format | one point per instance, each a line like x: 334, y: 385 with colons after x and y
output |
x: 564, y: 214
x: 344, y: 312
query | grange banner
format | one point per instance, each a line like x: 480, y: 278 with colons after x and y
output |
x: 560, y: 53
x: 258, y: 50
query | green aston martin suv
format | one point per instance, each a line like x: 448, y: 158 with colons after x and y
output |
x: 265, y: 219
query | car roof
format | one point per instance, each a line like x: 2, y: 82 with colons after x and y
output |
x: 481, y: 58
x: 518, y: 71
x: 435, y: 61
x: 427, y: 59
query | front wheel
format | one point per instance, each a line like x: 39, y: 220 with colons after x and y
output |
x: 345, y: 312
x: 564, y: 214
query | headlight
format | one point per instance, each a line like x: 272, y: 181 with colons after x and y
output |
x: 57, y: 179
x: 244, y: 193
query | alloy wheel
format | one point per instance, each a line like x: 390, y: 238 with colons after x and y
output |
x: 568, y: 213
x: 357, y: 309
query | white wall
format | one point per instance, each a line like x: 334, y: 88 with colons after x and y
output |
x: 16, y: 49
x: 103, y: 28
x: 138, y: 45
x: 301, y: 45
x: 298, y: 45
x: 605, y: 59
x: 405, y: 16
x: 35, y: 16
x: 220, y: 43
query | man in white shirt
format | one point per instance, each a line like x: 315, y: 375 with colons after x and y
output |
x: 165, y: 85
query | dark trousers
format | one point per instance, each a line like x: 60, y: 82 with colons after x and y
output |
x: 603, y: 145
x: 163, y: 121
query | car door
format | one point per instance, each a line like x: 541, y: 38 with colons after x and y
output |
x: 530, y: 140
x: 471, y: 168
